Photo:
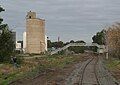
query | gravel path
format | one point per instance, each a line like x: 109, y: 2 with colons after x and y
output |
x: 104, y: 75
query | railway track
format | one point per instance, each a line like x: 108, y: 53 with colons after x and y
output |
x: 81, y: 75
x: 82, y: 80
x: 95, y: 71
x: 91, y: 72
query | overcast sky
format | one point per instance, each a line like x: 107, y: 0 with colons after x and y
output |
x: 68, y: 19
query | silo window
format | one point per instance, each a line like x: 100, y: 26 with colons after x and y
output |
x: 30, y: 17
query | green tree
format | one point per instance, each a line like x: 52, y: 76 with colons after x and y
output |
x: 80, y: 41
x: 57, y: 44
x: 72, y: 41
x: 99, y: 38
x: 77, y: 49
x: 49, y: 44
x: 6, y: 41
x: 66, y: 43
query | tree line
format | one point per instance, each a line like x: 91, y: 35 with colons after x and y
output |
x: 7, y: 44
x: 73, y: 49
x: 59, y: 44
x: 111, y: 38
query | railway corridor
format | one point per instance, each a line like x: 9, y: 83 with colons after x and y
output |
x: 89, y: 77
x: 91, y: 72
x: 104, y: 76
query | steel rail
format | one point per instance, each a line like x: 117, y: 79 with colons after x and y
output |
x: 95, y: 72
x: 83, y: 71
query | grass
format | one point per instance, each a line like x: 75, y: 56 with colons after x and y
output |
x: 113, y: 64
x: 6, y: 74
x: 6, y: 78
x: 51, y: 62
x: 32, y: 67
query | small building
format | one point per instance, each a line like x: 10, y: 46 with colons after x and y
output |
x: 101, y: 49
x: 18, y: 46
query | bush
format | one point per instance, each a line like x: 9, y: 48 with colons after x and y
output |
x: 77, y: 49
x: 19, y: 60
x: 61, y: 52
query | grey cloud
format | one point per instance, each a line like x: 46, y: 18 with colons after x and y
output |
x: 69, y: 19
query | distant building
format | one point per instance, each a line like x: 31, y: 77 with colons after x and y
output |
x: 18, y: 46
x: 35, y: 34
x: 14, y: 37
x: 24, y: 41
x: 21, y: 43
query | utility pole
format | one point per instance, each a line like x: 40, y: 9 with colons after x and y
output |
x: 58, y: 39
x: 106, y: 44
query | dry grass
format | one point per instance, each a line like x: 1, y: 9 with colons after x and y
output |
x: 32, y: 67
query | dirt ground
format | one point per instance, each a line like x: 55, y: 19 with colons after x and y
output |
x: 51, y: 76
x: 116, y: 73
x: 114, y: 69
